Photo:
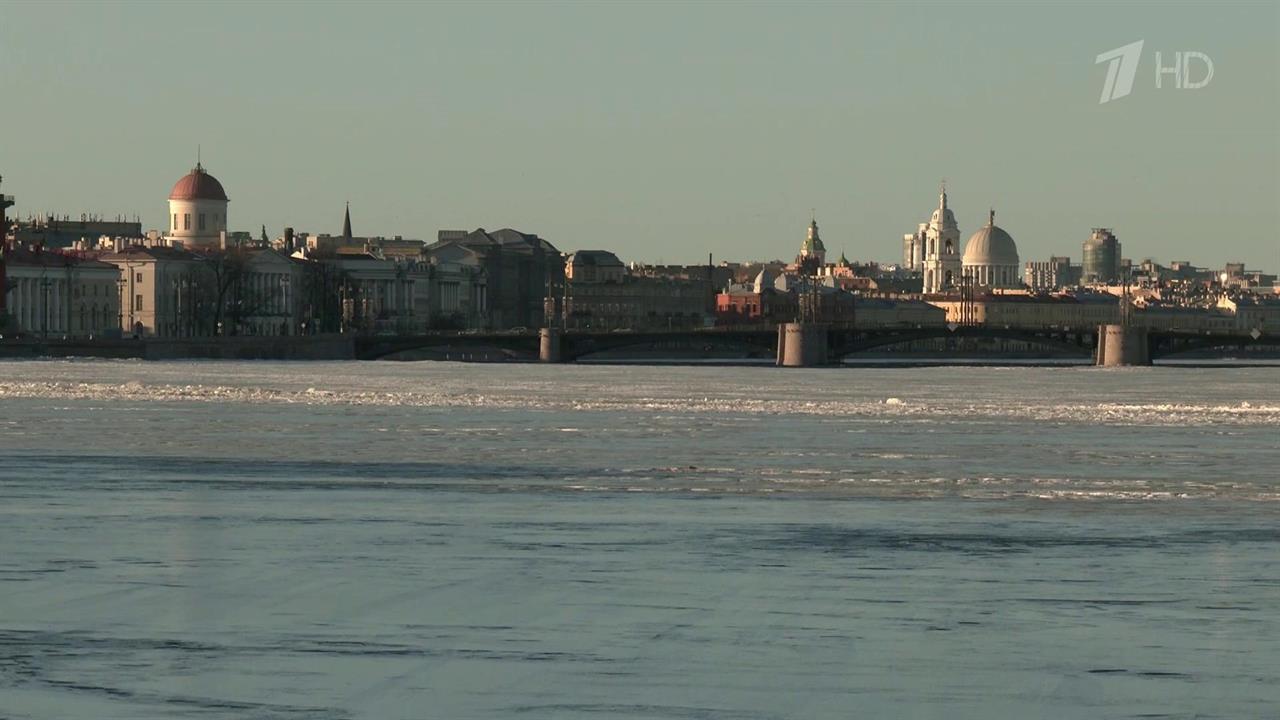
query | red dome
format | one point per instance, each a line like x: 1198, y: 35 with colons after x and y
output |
x: 198, y: 185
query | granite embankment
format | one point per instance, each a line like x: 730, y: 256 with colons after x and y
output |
x: 318, y: 347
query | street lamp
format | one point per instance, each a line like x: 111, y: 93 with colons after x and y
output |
x: 120, y: 304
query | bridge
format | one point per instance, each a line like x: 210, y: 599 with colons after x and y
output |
x: 762, y: 341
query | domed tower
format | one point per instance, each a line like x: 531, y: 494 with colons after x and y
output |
x: 991, y: 257
x: 813, y: 254
x: 941, y: 248
x: 197, y: 210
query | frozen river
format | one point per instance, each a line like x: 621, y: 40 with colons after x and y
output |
x: 433, y: 540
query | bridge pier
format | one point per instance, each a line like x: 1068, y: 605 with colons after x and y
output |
x: 802, y: 345
x: 549, y: 345
x: 1120, y: 346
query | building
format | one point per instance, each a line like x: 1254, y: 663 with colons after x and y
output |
x: 1181, y: 318
x: 1101, y: 263
x: 991, y: 257
x: 887, y: 312
x: 600, y: 294
x: 521, y: 271
x: 757, y: 301
x: 1253, y: 312
x: 163, y: 292
x: 715, y: 276
x: 6, y: 202
x: 242, y: 290
x: 378, y: 295
x: 197, y: 210
x: 324, y: 244
x: 457, y: 289
x: 813, y: 253
x: 269, y: 298
x: 940, y: 242
x: 592, y: 266
x: 1053, y: 274
x: 1024, y: 310
x: 56, y: 294
x: 59, y: 233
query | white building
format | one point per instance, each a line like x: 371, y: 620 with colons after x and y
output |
x: 52, y: 294
x: 162, y: 291
x: 940, y: 243
x: 271, y: 294
x: 197, y: 210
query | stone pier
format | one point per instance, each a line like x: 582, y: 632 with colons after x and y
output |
x: 549, y: 345
x: 802, y: 345
x: 1120, y: 346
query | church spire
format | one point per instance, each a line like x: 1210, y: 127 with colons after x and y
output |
x: 346, y: 223
x: 942, y: 195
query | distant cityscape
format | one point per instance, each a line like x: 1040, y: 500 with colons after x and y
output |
x: 85, y: 277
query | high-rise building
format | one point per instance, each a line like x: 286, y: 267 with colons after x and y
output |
x: 1101, y: 257
x: 1051, y: 274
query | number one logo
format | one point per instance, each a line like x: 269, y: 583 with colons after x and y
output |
x: 1122, y: 68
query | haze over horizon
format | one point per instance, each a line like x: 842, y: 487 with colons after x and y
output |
x: 662, y: 133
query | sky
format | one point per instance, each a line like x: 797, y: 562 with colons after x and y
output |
x: 662, y: 131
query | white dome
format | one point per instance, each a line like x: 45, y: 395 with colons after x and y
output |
x: 765, y: 279
x: 990, y: 246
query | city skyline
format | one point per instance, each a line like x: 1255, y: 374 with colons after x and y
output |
x: 822, y: 114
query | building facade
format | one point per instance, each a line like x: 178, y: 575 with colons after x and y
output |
x: 52, y: 294
x: 162, y: 292
x: 521, y: 271
x: 1022, y: 310
x: 600, y: 294
x: 1055, y: 273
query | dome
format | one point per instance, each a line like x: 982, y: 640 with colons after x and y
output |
x: 990, y: 246
x: 765, y: 280
x: 198, y: 185
x: 943, y: 217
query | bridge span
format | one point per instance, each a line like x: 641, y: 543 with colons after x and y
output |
x: 762, y: 341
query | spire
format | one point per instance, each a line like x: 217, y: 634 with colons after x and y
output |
x: 942, y: 195
x: 346, y: 223
x: 199, y: 167
x: 991, y: 218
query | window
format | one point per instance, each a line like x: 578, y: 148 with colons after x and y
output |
x: 175, y: 221
x: 137, y: 277
x: 137, y: 302
x: 186, y: 221
x: 201, y: 221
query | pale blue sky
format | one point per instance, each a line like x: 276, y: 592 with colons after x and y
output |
x: 662, y: 131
